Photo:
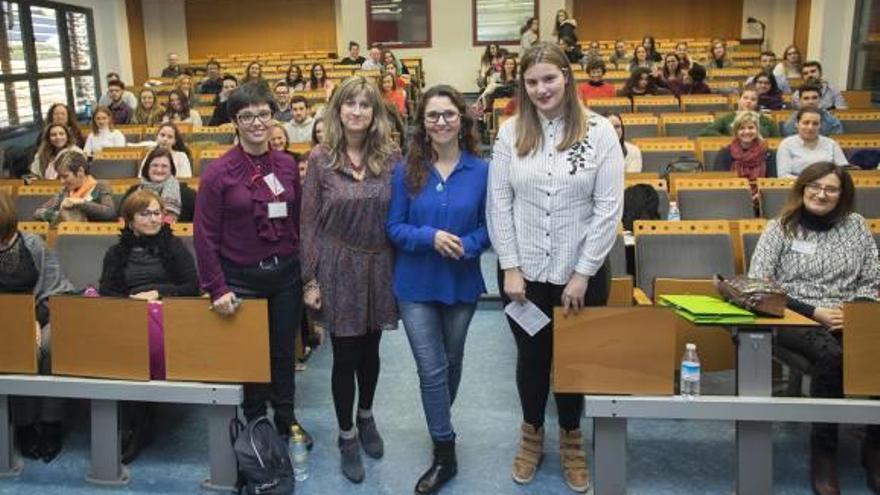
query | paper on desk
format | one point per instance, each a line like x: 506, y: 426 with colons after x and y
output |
x: 528, y: 316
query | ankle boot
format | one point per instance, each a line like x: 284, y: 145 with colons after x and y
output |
x: 871, y: 462
x: 350, y: 457
x: 443, y: 469
x: 574, y: 460
x: 529, y: 455
x: 51, y: 440
x: 823, y: 471
x: 28, y: 439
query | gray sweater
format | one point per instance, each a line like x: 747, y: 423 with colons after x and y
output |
x: 51, y: 280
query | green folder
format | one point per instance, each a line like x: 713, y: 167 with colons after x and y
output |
x: 707, y: 310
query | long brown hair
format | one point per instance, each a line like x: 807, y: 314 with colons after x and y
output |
x: 529, y: 135
x: 47, y: 151
x: 421, y: 154
x: 791, y: 215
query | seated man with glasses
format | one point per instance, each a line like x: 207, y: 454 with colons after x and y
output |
x: 247, y: 241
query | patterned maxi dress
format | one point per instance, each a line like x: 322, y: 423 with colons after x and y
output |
x: 344, y: 246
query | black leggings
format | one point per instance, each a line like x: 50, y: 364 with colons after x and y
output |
x: 354, y: 357
x: 535, y: 354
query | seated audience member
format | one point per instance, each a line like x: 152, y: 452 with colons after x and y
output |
x: 620, y: 58
x: 282, y: 98
x: 769, y: 94
x: 502, y: 84
x: 148, y: 111
x: 810, y: 98
x: 61, y: 114
x: 718, y: 58
x: 354, y: 55
x: 29, y: 267
x: 593, y: 54
x: 830, y: 98
x: 254, y: 74
x: 119, y: 110
x: 392, y: 94
x: 808, y: 146
x: 528, y: 34
x: 184, y: 83
x: 127, y: 96
x: 318, y: 80
x: 294, y: 78
x: 684, y: 60
x: 572, y: 51
x: 213, y: 81
x: 179, y: 111
x: 55, y: 141
x: 632, y: 155
x: 693, y: 83
x: 81, y: 198
x: 768, y: 63
x: 173, y: 69
x: 159, y: 175
x: 168, y: 136
x: 651, y: 48
x: 318, y: 131
x: 640, y: 83
x: 490, y: 63
x: 220, y: 116
x: 388, y: 57
x: 790, y: 66
x: 299, y: 128
x: 148, y: 263
x: 748, y: 102
x: 374, y: 61
x: 402, y: 82
x: 672, y: 69
x: 640, y: 60
x: 823, y: 255
x: 748, y: 154
x: 278, y: 139
x: 103, y: 134
x: 596, y: 87
x: 565, y: 26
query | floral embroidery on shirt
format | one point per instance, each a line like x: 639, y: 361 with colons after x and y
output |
x: 582, y: 152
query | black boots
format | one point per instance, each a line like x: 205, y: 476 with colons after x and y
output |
x: 444, y: 468
x: 41, y: 440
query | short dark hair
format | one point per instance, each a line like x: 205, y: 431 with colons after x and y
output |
x: 73, y: 161
x: 249, y: 94
x: 299, y: 99
x: 228, y: 77
x: 810, y: 86
x: 697, y: 73
x: 152, y: 155
x: 596, y: 64
x: 812, y: 63
x: 113, y: 74
x: 116, y: 82
x: 352, y: 44
x: 214, y: 63
x: 138, y: 201
x: 768, y: 53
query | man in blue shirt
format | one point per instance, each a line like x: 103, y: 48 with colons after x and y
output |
x: 810, y: 97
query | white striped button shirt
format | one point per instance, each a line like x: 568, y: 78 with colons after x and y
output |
x: 551, y: 213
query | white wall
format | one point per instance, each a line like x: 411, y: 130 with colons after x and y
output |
x: 778, y: 15
x: 831, y: 28
x: 452, y: 59
x: 111, y: 33
x: 164, y: 32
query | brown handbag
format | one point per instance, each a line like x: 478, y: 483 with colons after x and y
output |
x: 757, y: 295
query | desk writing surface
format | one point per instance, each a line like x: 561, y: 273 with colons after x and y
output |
x: 201, y: 345
x: 18, y: 343
x: 99, y: 337
x: 614, y: 350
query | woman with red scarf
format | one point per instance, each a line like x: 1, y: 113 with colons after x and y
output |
x: 747, y: 154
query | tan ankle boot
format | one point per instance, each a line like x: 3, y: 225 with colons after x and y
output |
x: 529, y: 455
x: 574, y: 460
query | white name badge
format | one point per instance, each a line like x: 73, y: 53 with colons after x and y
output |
x: 277, y: 209
x: 803, y: 247
x: 274, y: 184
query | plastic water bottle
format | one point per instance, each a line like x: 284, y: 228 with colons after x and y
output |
x: 690, y: 372
x: 88, y: 109
x: 300, y: 453
x: 674, y: 214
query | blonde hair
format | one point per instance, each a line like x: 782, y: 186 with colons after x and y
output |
x: 274, y: 124
x: 529, y: 135
x: 743, y: 118
x: 378, y: 143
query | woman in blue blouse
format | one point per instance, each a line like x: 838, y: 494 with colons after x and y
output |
x: 437, y: 223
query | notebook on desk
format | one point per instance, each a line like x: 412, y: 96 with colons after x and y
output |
x: 707, y: 310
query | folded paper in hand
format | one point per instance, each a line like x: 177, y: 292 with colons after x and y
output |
x: 528, y: 316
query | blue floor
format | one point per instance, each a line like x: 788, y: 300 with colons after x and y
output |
x: 665, y: 457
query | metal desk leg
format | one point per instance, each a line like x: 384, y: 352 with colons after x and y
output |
x: 224, y: 469
x: 10, y: 464
x: 754, y: 439
x: 609, y: 458
x: 106, y: 468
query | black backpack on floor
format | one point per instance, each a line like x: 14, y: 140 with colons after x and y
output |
x: 264, y: 466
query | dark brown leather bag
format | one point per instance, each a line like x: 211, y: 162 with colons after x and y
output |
x: 759, y: 296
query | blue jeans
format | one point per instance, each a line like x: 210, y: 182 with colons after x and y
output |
x: 436, y: 334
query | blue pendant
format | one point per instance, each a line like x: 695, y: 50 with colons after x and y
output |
x: 440, y: 187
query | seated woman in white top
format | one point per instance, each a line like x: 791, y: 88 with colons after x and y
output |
x: 103, y: 134
x: 790, y: 66
x: 179, y: 112
x: 169, y: 137
x: 632, y: 155
x: 55, y: 140
x: 797, y: 152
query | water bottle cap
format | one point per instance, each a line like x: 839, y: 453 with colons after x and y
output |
x: 690, y: 346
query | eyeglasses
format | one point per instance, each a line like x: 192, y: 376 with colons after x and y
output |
x: 814, y: 188
x: 149, y: 213
x: 247, y: 118
x: 449, y: 116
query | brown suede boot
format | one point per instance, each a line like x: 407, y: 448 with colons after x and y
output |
x: 529, y: 455
x: 574, y: 460
x: 823, y: 471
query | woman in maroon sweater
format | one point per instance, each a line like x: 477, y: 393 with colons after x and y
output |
x: 247, y: 242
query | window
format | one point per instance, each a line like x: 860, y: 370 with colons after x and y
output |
x: 399, y: 23
x: 499, y: 21
x: 47, y: 55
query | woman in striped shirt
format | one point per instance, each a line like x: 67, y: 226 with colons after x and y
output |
x: 555, y: 197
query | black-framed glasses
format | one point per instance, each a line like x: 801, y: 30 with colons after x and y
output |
x: 248, y: 118
x: 449, y: 116
x: 814, y: 188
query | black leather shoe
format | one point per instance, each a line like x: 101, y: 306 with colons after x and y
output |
x: 871, y: 462
x: 28, y: 439
x: 823, y: 472
x: 51, y: 440
x: 444, y: 468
